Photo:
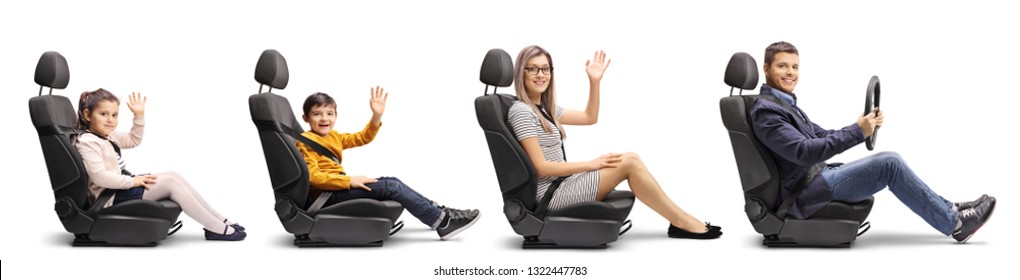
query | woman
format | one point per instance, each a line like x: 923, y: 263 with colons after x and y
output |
x: 541, y: 136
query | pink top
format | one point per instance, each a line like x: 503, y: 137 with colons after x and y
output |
x: 101, y: 159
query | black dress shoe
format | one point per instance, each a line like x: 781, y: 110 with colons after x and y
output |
x: 236, y: 226
x: 236, y: 236
x: 712, y: 233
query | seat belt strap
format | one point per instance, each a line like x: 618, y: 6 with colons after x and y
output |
x: 319, y: 202
x: 543, y: 206
x: 808, y: 175
x: 296, y: 134
x: 263, y: 125
x: 785, y: 105
x: 97, y: 205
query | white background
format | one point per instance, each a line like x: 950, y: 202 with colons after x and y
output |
x: 948, y: 72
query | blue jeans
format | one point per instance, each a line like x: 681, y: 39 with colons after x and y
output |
x: 128, y: 195
x: 857, y: 180
x: 390, y: 188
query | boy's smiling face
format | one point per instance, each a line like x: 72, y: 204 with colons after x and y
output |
x: 321, y: 119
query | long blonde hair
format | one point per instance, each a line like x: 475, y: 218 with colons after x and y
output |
x: 548, y: 97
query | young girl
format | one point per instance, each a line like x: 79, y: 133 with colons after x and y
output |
x: 327, y: 175
x: 541, y: 137
x: 100, y: 151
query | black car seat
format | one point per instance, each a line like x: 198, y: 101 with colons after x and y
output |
x: 589, y: 224
x: 357, y: 222
x: 132, y: 223
x: 835, y: 225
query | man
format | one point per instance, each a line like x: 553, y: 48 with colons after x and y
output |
x: 801, y: 147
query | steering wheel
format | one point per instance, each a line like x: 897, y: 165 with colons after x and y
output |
x: 870, y: 103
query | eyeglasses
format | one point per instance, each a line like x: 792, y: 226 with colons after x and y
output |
x: 535, y: 70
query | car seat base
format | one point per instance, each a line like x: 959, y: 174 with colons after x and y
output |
x: 534, y: 243
x: 788, y: 244
x: 308, y: 243
x: 84, y: 241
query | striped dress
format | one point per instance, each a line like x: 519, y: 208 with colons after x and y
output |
x: 578, y: 188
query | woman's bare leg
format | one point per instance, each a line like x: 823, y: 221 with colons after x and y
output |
x: 647, y: 190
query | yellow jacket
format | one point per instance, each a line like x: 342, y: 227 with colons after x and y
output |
x: 326, y: 175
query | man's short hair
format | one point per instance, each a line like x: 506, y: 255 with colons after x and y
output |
x: 777, y: 47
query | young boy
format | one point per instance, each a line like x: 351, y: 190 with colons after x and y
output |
x: 327, y: 175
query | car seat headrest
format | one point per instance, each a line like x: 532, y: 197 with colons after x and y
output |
x: 497, y: 69
x: 742, y: 72
x: 272, y: 70
x: 52, y: 71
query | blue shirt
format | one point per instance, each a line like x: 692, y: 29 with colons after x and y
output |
x: 795, y: 144
x: 784, y: 96
x: 792, y: 100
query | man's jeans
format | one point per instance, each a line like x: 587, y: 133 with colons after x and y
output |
x: 390, y: 188
x: 857, y: 180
